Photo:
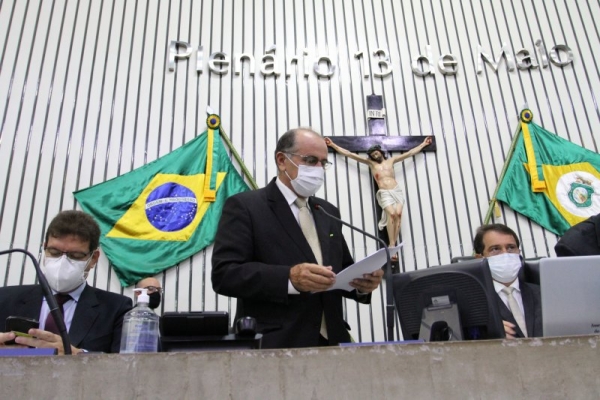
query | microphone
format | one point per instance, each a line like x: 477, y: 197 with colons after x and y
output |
x: 388, y: 272
x: 52, y: 304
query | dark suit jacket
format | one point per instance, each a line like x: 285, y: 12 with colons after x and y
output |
x: 97, y: 320
x: 532, y: 304
x: 582, y: 239
x: 258, y: 241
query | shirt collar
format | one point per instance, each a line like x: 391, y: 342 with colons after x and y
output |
x: 499, y: 286
x: 288, y: 193
x: 75, y: 294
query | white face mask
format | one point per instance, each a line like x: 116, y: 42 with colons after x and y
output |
x: 64, y: 274
x: 308, y: 180
x: 505, y: 267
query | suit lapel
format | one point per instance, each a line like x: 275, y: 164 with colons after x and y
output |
x: 528, y: 306
x: 507, y: 315
x: 504, y: 311
x: 84, y: 317
x: 30, y: 303
x: 286, y: 218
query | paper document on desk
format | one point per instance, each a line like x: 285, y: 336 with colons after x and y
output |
x: 365, y: 266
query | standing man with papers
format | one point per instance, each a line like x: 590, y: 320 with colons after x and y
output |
x: 278, y: 255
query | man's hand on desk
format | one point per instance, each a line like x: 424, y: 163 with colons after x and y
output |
x: 45, y: 339
x: 368, y: 282
x: 311, y: 277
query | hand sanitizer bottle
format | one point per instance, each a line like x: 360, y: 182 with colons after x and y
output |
x: 140, y: 327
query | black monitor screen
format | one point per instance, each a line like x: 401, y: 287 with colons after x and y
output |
x: 466, y: 285
x: 194, y: 323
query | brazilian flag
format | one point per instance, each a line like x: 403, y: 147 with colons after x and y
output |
x: 550, y: 180
x: 166, y: 211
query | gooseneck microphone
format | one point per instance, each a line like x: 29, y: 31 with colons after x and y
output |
x: 52, y: 304
x: 388, y: 272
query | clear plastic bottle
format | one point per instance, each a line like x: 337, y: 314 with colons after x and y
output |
x: 140, y: 327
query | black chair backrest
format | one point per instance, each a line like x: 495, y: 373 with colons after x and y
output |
x: 530, y: 272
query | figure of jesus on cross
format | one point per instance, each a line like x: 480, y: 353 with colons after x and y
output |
x: 389, y: 196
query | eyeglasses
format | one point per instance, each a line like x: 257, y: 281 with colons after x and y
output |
x: 496, y: 250
x: 312, y: 161
x: 153, y: 289
x: 73, y: 255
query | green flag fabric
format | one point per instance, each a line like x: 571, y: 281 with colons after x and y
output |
x: 550, y: 180
x: 163, y: 212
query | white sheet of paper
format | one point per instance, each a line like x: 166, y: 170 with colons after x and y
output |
x: 365, y: 266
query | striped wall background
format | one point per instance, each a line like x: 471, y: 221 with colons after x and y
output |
x: 86, y: 95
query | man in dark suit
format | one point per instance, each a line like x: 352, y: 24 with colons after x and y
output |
x: 93, y: 317
x: 500, y: 245
x: 582, y: 239
x: 262, y: 257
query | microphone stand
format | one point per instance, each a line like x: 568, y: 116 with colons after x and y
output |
x: 388, y: 274
x: 52, y: 304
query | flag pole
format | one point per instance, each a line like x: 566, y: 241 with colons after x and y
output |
x: 214, y: 122
x: 238, y: 158
x: 511, y: 152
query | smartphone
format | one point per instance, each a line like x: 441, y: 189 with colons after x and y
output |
x: 20, y: 326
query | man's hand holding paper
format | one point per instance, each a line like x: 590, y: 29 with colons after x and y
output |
x: 366, y: 274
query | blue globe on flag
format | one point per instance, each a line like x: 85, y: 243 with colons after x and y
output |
x: 171, y: 207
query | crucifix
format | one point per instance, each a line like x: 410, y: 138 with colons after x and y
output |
x: 389, y: 196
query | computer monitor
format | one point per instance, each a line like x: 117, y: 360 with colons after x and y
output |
x: 449, y: 302
x: 570, y: 289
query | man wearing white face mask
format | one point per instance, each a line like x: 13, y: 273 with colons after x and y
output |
x: 277, y: 254
x: 93, y: 317
x: 519, y: 301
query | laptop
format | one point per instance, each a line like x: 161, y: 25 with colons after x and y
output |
x: 570, y: 289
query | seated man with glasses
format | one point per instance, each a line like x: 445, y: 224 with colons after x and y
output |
x: 519, y: 302
x: 93, y: 317
x: 154, y: 290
